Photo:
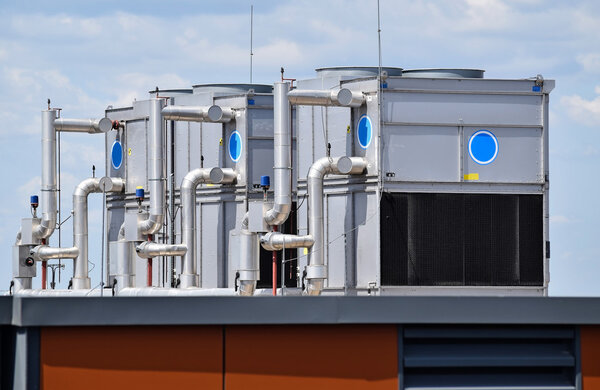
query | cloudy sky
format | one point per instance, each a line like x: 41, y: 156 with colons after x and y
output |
x: 88, y: 55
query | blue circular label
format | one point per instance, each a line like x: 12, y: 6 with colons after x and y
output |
x: 235, y: 146
x: 364, y: 131
x: 116, y: 154
x: 483, y: 147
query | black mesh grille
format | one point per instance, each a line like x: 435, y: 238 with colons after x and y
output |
x: 461, y: 240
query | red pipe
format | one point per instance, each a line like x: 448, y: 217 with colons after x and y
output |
x: 44, y: 268
x: 149, y: 268
x: 274, y: 268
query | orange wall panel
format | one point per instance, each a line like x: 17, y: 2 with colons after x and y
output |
x: 132, y: 357
x: 590, y: 357
x: 312, y: 356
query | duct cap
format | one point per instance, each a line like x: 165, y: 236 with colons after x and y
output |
x: 216, y: 174
x: 106, y: 184
x: 215, y: 113
x: 104, y: 125
x: 344, y: 165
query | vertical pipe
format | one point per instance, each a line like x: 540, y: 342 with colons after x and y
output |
x: 155, y: 177
x: 44, y: 269
x: 48, y: 223
x: 274, y: 268
x: 149, y: 268
x: 282, y: 169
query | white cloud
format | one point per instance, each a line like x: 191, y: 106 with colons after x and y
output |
x: 581, y: 110
x: 590, y: 62
x: 559, y: 219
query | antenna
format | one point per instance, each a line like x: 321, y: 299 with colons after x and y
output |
x: 251, y: 32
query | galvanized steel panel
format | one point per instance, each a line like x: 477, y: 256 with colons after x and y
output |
x: 136, y: 152
x: 421, y: 153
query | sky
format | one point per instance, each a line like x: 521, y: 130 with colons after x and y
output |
x: 85, y: 56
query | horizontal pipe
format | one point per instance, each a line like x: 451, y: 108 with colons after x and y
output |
x: 91, y: 126
x: 44, y: 252
x: 171, y: 292
x: 149, y: 249
x: 342, y: 97
x: 198, y: 113
x: 275, y: 241
x: 59, y: 293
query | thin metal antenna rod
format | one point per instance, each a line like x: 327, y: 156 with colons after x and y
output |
x: 251, y: 36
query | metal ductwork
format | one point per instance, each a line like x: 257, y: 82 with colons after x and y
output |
x: 48, y: 222
x: 50, y: 125
x: 156, y: 161
x: 283, y: 156
x: 81, y: 278
x: 198, y: 113
x: 249, y: 269
x: 148, y: 250
x: 91, y: 126
x: 342, y: 97
x: 275, y: 241
x: 190, y: 277
x: 43, y: 252
x: 316, y: 271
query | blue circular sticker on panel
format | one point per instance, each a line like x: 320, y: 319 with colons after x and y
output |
x: 235, y: 146
x: 483, y: 147
x: 364, y: 131
x: 116, y: 154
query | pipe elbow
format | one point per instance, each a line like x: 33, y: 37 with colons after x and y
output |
x: 44, y: 252
x: 278, y: 214
x: 151, y: 225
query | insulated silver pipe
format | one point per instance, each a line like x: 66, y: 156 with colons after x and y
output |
x: 81, y: 278
x: 189, y: 277
x: 92, y: 126
x: 316, y: 271
x: 44, y: 252
x: 198, y: 113
x: 275, y: 241
x: 342, y: 97
x: 48, y: 222
x: 148, y: 250
x: 249, y: 269
x: 282, y: 169
x: 156, y: 179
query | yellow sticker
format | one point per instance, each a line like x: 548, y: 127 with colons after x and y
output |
x: 472, y: 176
x: 129, y: 152
x: 221, y: 142
x: 306, y: 251
x: 348, y: 129
x: 210, y: 185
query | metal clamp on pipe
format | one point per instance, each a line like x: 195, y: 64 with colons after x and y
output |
x: 148, y: 250
x: 343, y: 97
x: 212, y: 113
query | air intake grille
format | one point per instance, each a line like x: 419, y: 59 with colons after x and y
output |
x: 485, y: 357
x: 461, y: 240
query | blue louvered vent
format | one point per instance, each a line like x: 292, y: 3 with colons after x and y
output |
x: 498, y: 358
